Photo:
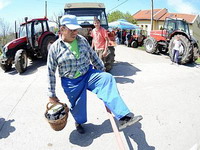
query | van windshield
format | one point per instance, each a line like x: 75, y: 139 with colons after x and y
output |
x: 86, y: 16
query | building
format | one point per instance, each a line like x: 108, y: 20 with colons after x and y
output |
x: 143, y: 18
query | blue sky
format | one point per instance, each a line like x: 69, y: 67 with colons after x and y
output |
x: 11, y: 10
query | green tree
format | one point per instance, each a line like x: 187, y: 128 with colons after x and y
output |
x: 115, y: 15
x: 129, y: 18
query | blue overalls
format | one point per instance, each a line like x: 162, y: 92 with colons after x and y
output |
x: 101, y: 83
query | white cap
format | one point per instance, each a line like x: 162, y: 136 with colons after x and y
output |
x: 70, y: 21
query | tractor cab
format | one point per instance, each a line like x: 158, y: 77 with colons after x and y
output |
x: 175, y: 25
x: 86, y: 12
x: 33, y: 30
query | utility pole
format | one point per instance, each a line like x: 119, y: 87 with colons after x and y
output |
x: 151, y: 14
x: 45, y: 8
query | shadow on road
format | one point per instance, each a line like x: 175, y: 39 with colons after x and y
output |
x: 122, y: 70
x: 137, y: 134
x: 192, y: 65
x: 94, y: 131
x: 31, y: 69
x: 6, y: 128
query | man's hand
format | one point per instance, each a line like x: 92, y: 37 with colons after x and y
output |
x: 105, y: 53
x: 53, y: 99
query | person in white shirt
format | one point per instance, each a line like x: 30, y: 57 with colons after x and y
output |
x: 176, y: 49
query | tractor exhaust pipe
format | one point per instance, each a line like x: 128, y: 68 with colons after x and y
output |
x: 16, y: 36
x: 26, y: 20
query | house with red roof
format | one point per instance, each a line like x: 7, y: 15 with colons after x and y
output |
x: 143, y: 18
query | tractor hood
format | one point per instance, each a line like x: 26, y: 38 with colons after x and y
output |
x: 14, y: 43
x: 158, y: 32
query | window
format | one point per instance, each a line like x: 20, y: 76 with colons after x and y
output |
x: 86, y: 16
x: 37, y: 27
x: 45, y: 26
x: 22, y: 30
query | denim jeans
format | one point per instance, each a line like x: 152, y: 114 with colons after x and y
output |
x: 102, y: 84
x: 175, y: 56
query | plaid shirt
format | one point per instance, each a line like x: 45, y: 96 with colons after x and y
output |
x: 60, y: 55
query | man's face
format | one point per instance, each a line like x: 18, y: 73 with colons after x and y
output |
x: 69, y: 35
x: 97, y: 24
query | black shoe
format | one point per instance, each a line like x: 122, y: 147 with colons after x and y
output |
x: 128, y: 121
x: 79, y: 128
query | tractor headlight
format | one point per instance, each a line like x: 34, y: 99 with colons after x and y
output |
x: 5, y: 49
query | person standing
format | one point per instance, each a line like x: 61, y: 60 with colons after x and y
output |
x: 176, y: 49
x: 119, y: 39
x: 100, y: 40
x: 76, y: 60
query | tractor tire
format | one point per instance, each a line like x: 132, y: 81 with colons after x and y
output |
x: 150, y: 45
x: 21, y: 61
x: 186, y: 55
x: 46, y: 44
x: 6, y: 67
x: 162, y: 49
x: 195, y: 53
x: 109, y: 60
x: 134, y: 44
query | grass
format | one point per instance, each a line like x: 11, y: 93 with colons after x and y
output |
x: 141, y: 48
x: 198, y: 61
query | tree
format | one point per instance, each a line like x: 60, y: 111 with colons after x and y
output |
x: 115, y: 15
x: 129, y: 18
x: 6, y: 33
x: 56, y: 20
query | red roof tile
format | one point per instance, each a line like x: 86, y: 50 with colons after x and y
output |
x: 146, y: 14
x: 188, y: 17
x: 161, y: 14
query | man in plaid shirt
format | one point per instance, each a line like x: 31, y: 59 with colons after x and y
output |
x: 75, y: 59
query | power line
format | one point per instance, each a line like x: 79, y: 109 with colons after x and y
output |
x: 118, y: 5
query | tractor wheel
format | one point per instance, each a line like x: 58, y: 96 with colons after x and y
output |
x: 46, y: 44
x: 150, y: 45
x: 21, y: 61
x: 109, y: 60
x: 162, y: 49
x: 134, y: 44
x: 195, y: 53
x: 6, y: 67
x: 185, y: 55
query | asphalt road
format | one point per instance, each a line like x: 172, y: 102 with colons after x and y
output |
x: 167, y: 96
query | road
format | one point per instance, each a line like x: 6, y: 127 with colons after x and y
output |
x: 167, y: 96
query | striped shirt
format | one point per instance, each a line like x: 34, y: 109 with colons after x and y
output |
x: 62, y: 57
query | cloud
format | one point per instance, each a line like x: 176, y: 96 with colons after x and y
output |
x: 183, y: 6
x: 4, y: 3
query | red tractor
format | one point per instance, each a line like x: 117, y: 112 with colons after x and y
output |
x: 137, y: 38
x: 162, y: 40
x: 32, y: 41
